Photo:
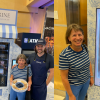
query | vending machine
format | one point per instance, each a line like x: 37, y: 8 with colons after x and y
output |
x: 8, y: 49
x: 4, y: 57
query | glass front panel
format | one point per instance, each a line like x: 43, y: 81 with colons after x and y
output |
x: 4, y: 57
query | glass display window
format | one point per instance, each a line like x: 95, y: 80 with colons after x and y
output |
x: 4, y: 58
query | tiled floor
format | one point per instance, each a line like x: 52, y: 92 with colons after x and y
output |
x: 57, y: 97
x: 60, y: 95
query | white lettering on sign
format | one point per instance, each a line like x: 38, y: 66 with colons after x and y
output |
x: 33, y: 40
x: 27, y: 40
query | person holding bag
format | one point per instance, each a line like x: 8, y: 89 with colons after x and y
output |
x: 20, y: 72
x: 74, y: 64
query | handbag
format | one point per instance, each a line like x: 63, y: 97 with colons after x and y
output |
x: 28, y: 93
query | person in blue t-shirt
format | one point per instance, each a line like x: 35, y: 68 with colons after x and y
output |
x: 20, y: 72
x: 74, y: 65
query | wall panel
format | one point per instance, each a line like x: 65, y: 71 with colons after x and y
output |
x: 60, y: 27
x: 23, y: 19
x: 59, y: 5
x: 59, y: 45
x: 83, y: 12
x: 58, y: 83
x: 59, y: 42
x: 20, y: 30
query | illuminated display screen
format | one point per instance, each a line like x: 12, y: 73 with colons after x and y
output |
x: 97, y: 49
x: 1, y: 71
x: 13, y: 62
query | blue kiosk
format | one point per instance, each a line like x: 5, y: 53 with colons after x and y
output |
x: 8, y: 49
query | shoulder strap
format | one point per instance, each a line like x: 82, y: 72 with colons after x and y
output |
x: 45, y: 58
x: 85, y: 48
x: 35, y: 57
x: 27, y: 73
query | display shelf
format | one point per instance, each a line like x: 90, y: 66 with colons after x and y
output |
x: 3, y: 59
x: 4, y: 50
x: 2, y: 75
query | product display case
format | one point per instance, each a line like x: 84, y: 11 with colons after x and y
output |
x: 4, y: 58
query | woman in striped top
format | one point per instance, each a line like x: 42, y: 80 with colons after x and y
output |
x: 20, y: 72
x: 74, y: 65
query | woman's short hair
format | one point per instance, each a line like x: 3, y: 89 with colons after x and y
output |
x: 71, y: 27
x: 21, y: 56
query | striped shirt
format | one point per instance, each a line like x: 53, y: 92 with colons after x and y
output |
x: 77, y: 63
x: 21, y: 73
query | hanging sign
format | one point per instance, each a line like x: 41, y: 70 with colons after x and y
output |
x: 8, y: 17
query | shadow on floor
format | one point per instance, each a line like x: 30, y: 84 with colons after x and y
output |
x: 84, y: 99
